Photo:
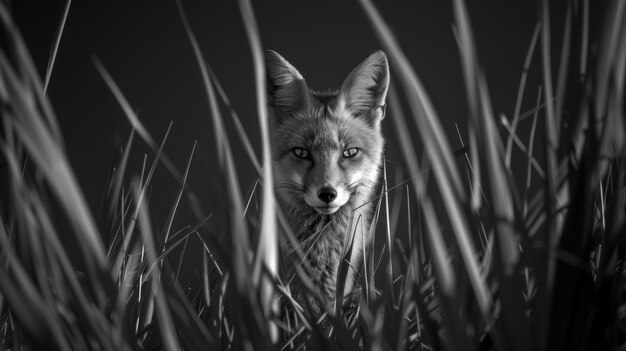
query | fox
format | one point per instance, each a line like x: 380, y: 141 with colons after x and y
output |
x: 327, y: 153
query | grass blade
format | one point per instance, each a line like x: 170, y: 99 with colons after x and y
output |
x: 439, y: 152
x: 168, y: 332
x: 55, y: 46
x: 520, y: 93
x: 266, y: 255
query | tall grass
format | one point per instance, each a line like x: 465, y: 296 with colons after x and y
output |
x: 504, y: 264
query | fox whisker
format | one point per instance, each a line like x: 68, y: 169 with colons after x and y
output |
x: 286, y: 184
x: 290, y: 182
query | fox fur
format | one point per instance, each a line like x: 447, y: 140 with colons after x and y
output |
x: 327, y: 150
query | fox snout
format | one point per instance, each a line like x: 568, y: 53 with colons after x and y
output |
x: 326, y: 198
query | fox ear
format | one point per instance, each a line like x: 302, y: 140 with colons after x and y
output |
x: 365, y: 89
x: 286, y: 88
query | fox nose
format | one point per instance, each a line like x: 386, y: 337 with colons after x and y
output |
x: 327, y: 194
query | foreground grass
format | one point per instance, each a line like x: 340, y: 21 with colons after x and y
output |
x: 505, y: 264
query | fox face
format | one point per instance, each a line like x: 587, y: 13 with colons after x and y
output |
x: 327, y: 146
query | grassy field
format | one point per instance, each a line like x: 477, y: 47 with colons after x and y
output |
x: 511, y: 260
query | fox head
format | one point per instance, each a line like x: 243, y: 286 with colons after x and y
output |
x: 327, y: 146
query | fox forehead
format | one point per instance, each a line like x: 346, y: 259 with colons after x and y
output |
x: 325, y: 125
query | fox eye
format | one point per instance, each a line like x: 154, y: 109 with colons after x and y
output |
x: 351, y: 152
x: 301, y: 153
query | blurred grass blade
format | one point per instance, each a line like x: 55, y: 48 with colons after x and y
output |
x: 512, y: 324
x: 424, y: 114
x: 439, y: 152
x: 564, y: 63
x: 51, y: 160
x: 390, y: 239
x: 28, y: 72
x: 523, y: 148
x: 529, y: 155
x: 168, y: 332
x: 552, y: 231
x: 193, y: 333
x: 344, y: 264
x: 55, y: 46
x: 239, y: 241
x: 584, y: 39
x: 136, y: 124
x: 552, y: 126
x: 120, y: 255
x: 266, y: 254
x: 520, y: 93
x: 128, y: 111
x: 241, y: 132
x: 447, y: 280
x: 116, y: 185
x: 170, y: 217
x: 249, y: 312
x: 446, y: 277
x: 37, y: 317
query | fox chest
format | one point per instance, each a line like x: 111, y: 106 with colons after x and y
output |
x: 322, y: 241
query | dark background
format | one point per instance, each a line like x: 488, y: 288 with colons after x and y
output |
x: 144, y: 47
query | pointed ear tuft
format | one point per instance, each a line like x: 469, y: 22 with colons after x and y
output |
x: 286, y: 89
x: 365, y: 89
